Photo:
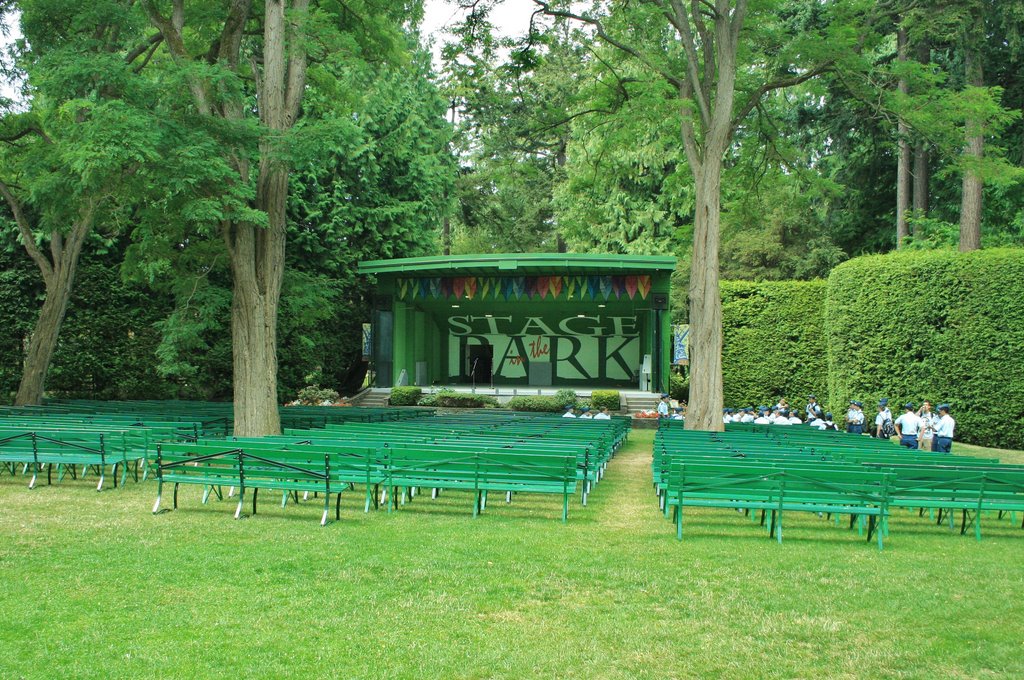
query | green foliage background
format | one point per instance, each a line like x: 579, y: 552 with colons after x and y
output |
x: 934, y: 325
x: 773, y: 341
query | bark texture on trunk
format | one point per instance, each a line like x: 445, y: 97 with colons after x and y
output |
x: 44, y: 337
x: 922, y: 173
x: 704, y: 411
x: 58, y: 270
x: 903, y: 157
x: 974, y: 148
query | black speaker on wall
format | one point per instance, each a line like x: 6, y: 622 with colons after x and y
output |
x: 659, y: 301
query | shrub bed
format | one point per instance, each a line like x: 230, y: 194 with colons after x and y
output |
x: 405, y: 396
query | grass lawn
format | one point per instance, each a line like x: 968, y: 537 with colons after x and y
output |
x: 96, y: 586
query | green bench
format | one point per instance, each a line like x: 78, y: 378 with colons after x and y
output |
x: 776, y: 489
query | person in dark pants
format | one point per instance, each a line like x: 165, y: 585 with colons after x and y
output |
x: 855, y: 418
x: 908, y: 427
x: 944, y: 431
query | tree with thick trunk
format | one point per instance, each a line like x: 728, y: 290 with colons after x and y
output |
x: 707, y: 35
x: 921, y: 173
x: 974, y: 148
x: 58, y: 272
x: 256, y: 250
x: 903, y: 156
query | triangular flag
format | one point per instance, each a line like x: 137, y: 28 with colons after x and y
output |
x: 435, y: 288
x: 471, y: 286
x: 631, y: 286
x: 555, y: 285
x: 458, y: 286
x: 542, y: 286
x: 593, y: 286
x: 643, y: 285
x: 617, y: 286
x: 403, y: 288
x: 606, y: 286
x: 485, y: 286
x: 518, y: 286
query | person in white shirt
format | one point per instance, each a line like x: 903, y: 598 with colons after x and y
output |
x: 829, y: 423
x: 813, y: 408
x: 586, y: 414
x: 762, y: 418
x: 569, y: 411
x: 603, y: 415
x: 855, y: 418
x: 726, y: 416
x: 663, y: 406
x: 794, y: 419
x: 929, y: 421
x: 817, y: 423
x: 782, y: 418
x: 884, y: 414
x: 944, y: 431
x: 748, y: 415
x: 678, y: 413
x: 908, y: 426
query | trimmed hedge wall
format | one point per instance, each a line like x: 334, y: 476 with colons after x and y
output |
x: 773, y: 341
x: 405, y: 396
x: 539, y: 404
x: 935, y: 325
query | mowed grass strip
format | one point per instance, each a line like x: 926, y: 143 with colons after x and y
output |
x: 96, y: 586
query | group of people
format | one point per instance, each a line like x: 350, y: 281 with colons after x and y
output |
x: 917, y: 428
x: 585, y: 413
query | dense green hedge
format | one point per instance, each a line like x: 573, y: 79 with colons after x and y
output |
x: 538, y: 404
x: 935, y: 325
x: 609, y: 399
x: 405, y: 396
x: 773, y: 341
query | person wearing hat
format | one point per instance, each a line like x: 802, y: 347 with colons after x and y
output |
x: 762, y: 418
x: 884, y: 414
x: 585, y: 414
x: 813, y: 409
x: 726, y: 416
x: 855, y: 418
x: 678, y: 413
x: 782, y: 418
x: 794, y: 418
x: 603, y: 414
x: 570, y: 411
x: 944, y: 431
x: 908, y: 427
x: 748, y: 415
x: 816, y: 422
x: 829, y: 424
x: 663, y: 406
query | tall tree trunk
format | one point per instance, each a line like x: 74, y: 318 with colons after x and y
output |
x: 922, y: 173
x: 257, y: 254
x: 903, y: 159
x: 44, y: 337
x: 705, y: 406
x: 58, y: 271
x: 974, y: 149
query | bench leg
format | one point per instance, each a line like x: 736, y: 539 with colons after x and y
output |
x: 327, y: 508
x: 508, y: 497
x: 679, y: 522
x: 565, y: 508
x: 483, y: 501
x: 337, y: 507
x: 159, y: 490
x: 433, y: 494
x: 99, y: 487
x: 255, y: 492
x: 206, y: 493
x: 284, y: 499
x: 176, y: 495
x: 241, y: 501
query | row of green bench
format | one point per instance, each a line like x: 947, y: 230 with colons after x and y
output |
x: 320, y: 469
x: 64, y: 451
x: 831, y: 477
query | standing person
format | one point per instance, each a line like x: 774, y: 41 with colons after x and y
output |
x: 929, y: 421
x: 883, y: 421
x: 908, y: 426
x: 813, y: 409
x: 663, y: 405
x: 944, y: 431
x: 855, y: 418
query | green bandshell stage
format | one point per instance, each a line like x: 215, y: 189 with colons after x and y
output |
x: 538, y: 320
